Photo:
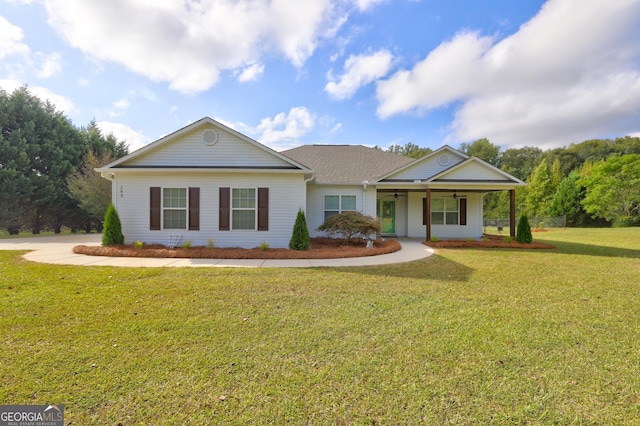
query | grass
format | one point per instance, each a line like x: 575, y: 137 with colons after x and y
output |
x: 464, y: 337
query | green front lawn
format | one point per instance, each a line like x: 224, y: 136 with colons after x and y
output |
x: 464, y: 337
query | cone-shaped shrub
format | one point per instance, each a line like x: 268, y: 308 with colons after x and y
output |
x: 300, y: 237
x: 112, y: 230
x: 523, y: 233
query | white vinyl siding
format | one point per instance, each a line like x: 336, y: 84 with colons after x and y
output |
x: 190, y: 151
x: 286, y: 194
x: 428, y: 166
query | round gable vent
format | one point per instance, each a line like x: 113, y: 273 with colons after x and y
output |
x: 209, y: 137
x: 444, y: 159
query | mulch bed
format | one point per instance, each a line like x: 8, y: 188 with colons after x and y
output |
x: 320, y: 248
x: 490, y: 241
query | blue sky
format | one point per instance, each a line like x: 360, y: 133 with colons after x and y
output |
x: 371, y: 72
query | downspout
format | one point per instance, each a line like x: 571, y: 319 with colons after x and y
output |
x: 365, y: 183
x: 306, y: 181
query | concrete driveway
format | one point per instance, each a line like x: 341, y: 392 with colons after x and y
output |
x: 59, y: 250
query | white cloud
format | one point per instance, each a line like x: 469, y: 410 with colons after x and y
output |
x: 51, y: 65
x: 11, y: 40
x: 121, y: 104
x: 364, y: 5
x: 571, y: 72
x: 359, y: 70
x: 285, y: 127
x: 122, y: 132
x: 157, y: 38
x: 251, y: 73
x: 61, y: 103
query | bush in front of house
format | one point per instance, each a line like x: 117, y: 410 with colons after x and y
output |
x: 112, y: 229
x: 523, y: 233
x: 350, y: 224
x: 300, y: 237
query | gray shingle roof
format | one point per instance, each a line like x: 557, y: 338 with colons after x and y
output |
x: 347, y: 164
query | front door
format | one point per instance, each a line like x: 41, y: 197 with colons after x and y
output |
x: 388, y: 217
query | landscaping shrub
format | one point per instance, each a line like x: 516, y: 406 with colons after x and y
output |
x: 112, y: 230
x: 523, y: 233
x: 350, y: 224
x: 300, y: 237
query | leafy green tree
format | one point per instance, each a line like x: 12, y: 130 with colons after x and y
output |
x: 39, y: 147
x: 567, y: 201
x: 90, y: 190
x: 300, y: 236
x: 613, y: 189
x: 112, y: 231
x: 627, y: 145
x: 540, y: 190
x: 482, y: 149
x: 519, y: 162
x: 409, y: 149
x: 349, y: 225
x: 523, y: 232
x: 100, y: 145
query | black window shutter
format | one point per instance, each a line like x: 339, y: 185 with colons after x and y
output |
x: 263, y: 209
x: 225, y: 200
x: 155, y: 201
x: 463, y: 211
x: 194, y: 209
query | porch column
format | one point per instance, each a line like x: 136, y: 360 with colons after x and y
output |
x: 512, y: 213
x: 428, y: 214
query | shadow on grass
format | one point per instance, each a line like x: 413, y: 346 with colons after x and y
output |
x: 593, y: 250
x: 433, y: 268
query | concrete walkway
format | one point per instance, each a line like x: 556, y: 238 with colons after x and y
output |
x: 58, y: 250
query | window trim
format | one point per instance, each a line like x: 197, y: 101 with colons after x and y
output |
x: 184, y: 209
x: 340, y: 209
x: 233, y: 209
x: 444, y: 211
x: 157, y: 208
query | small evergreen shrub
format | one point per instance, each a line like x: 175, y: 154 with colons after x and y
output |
x: 300, y: 237
x: 138, y: 244
x: 435, y: 239
x: 112, y: 230
x: 264, y: 246
x: 186, y: 245
x: 523, y: 233
x: 508, y: 239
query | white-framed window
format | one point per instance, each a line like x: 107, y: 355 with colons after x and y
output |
x: 444, y: 211
x: 174, y: 208
x: 243, y: 208
x: 336, y: 204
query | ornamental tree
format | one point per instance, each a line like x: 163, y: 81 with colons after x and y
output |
x: 350, y: 224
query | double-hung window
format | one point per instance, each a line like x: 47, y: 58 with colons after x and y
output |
x: 336, y: 204
x: 444, y: 211
x: 174, y: 208
x: 243, y: 208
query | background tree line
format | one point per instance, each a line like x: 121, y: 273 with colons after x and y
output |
x: 593, y: 183
x: 47, y: 179
x: 46, y: 167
